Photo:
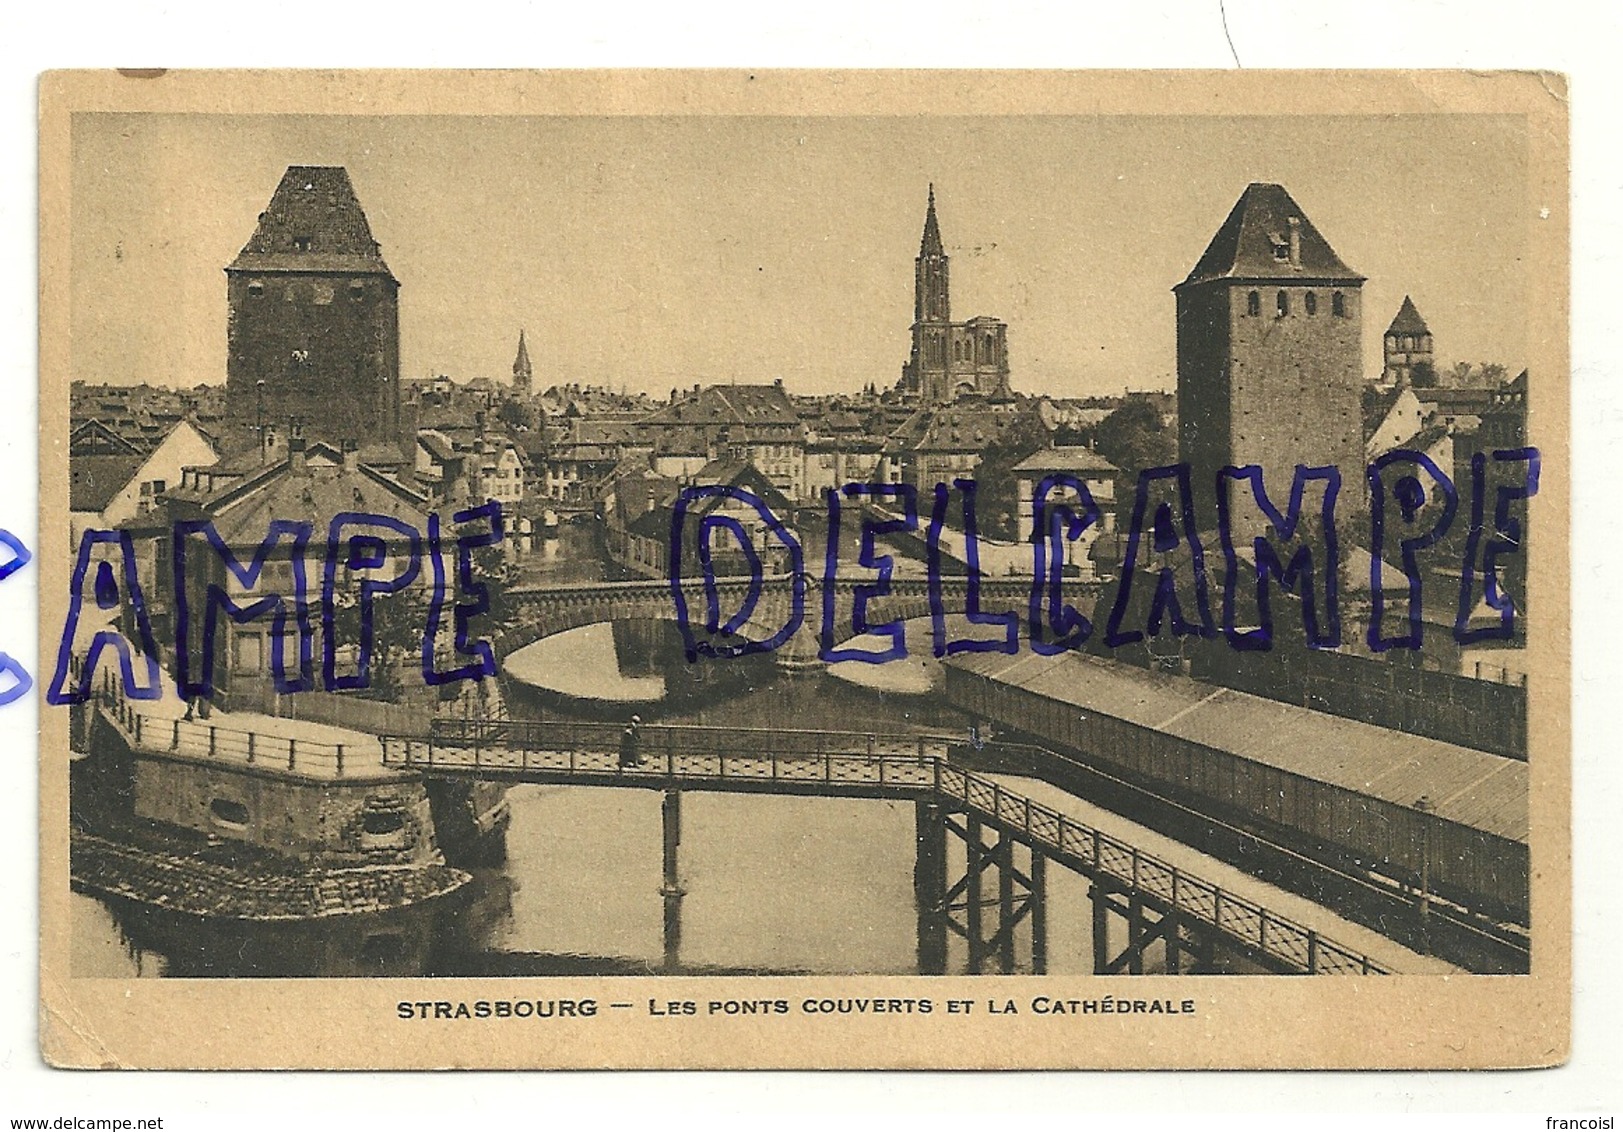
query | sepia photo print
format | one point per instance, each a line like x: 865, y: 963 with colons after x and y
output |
x: 682, y: 561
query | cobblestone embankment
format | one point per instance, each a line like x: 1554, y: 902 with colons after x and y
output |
x: 259, y: 890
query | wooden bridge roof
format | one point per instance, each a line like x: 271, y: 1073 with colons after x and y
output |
x: 1474, y: 788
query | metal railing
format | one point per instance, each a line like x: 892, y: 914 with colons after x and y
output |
x: 201, y: 739
x: 904, y: 764
x: 1095, y: 853
x: 656, y: 739
x: 901, y: 763
x: 889, y: 772
x: 693, y: 584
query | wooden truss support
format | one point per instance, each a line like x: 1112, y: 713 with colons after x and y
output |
x: 1186, y: 947
x: 1019, y: 897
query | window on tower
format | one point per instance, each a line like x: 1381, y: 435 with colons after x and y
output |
x: 1282, y: 304
x: 1310, y: 302
x: 301, y: 243
x: 1338, y: 305
x: 1253, y: 304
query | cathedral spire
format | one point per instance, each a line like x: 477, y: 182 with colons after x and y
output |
x: 931, y: 244
x: 522, y: 370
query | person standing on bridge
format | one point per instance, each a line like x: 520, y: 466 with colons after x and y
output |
x: 630, y: 754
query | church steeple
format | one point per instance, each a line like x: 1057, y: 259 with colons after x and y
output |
x: 932, y: 317
x: 930, y: 298
x: 930, y: 245
x: 949, y: 359
x: 522, y: 371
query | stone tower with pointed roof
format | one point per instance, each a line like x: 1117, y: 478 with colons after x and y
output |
x: 949, y: 359
x: 1269, y: 341
x: 1407, y: 345
x: 523, y: 372
x: 314, y: 330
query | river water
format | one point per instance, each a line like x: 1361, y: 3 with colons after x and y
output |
x: 772, y: 883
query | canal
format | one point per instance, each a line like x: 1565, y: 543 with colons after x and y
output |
x: 771, y: 883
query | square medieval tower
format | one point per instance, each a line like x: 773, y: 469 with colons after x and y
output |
x: 314, y: 331
x: 1270, y: 353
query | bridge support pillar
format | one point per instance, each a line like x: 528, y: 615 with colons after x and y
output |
x: 930, y: 888
x: 974, y: 861
x: 1136, y: 935
x: 1005, y: 904
x: 1208, y: 955
x: 1039, y: 913
x: 1101, y: 928
x: 671, y: 888
x: 1145, y: 924
x: 1018, y: 896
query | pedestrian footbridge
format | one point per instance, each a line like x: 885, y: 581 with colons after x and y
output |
x: 1009, y: 840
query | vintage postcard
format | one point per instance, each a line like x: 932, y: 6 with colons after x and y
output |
x: 804, y: 570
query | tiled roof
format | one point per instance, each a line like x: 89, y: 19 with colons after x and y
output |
x: 1408, y: 320
x: 1250, y: 243
x: 730, y: 404
x: 313, y: 223
x: 94, y: 480
x: 1065, y: 458
x: 243, y: 513
x: 1425, y: 438
x: 961, y: 429
x: 436, y: 445
x: 1377, y: 404
x: 90, y: 437
x: 1452, y: 399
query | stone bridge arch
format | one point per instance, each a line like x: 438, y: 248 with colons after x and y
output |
x: 545, y: 612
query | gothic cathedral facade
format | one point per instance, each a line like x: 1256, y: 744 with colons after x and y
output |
x: 949, y: 359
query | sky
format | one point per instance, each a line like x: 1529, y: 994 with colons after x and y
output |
x: 656, y: 252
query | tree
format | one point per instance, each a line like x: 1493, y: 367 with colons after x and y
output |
x: 1133, y: 438
x: 1423, y: 375
x: 995, y: 487
x: 515, y: 414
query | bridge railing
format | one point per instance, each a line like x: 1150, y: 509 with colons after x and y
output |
x: 653, y: 740
x: 693, y: 584
x: 683, y: 761
x: 1179, y: 892
x: 905, y: 763
x: 202, y: 739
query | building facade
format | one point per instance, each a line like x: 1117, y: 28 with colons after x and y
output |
x: 1269, y: 326
x: 314, y: 325
x: 1407, y: 346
